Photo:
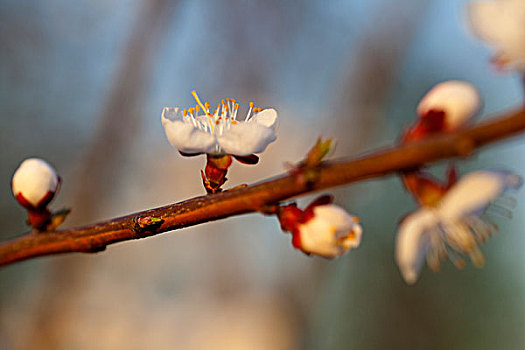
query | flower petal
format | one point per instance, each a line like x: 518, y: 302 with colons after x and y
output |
x: 184, y: 136
x: 243, y: 139
x: 474, y: 192
x: 170, y: 114
x: 412, y: 242
x: 267, y: 117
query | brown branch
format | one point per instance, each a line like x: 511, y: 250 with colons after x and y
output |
x: 96, y: 237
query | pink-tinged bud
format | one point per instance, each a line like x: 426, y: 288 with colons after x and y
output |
x: 458, y: 100
x: 34, y: 183
x: 329, y: 233
x: 322, y: 228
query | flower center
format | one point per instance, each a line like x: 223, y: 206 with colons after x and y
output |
x: 222, y: 118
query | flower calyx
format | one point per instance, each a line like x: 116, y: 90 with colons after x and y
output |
x: 214, y: 174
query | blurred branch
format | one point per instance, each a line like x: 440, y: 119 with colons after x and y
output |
x: 96, y: 237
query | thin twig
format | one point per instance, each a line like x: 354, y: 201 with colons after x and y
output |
x: 96, y: 237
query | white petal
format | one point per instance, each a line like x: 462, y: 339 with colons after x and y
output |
x: 184, y: 136
x: 243, y: 139
x: 502, y: 24
x: 170, y: 114
x: 325, y: 234
x: 474, y: 192
x: 267, y: 117
x: 458, y: 99
x: 412, y: 242
x: 34, y: 178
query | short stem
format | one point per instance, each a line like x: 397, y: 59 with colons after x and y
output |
x: 39, y: 218
x: 214, y: 175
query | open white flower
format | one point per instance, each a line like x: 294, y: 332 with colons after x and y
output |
x: 34, y: 183
x: 219, y: 132
x: 501, y: 23
x: 330, y: 233
x: 458, y: 100
x: 454, y: 227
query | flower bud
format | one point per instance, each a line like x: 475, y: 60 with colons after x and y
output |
x: 458, y: 100
x: 34, y: 183
x: 330, y: 232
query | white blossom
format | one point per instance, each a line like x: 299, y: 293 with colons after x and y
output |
x: 35, y: 180
x: 501, y: 23
x: 330, y: 233
x: 456, y: 226
x: 459, y: 101
x: 219, y: 131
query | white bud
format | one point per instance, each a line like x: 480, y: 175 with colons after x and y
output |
x: 331, y: 232
x: 34, y: 179
x: 458, y: 99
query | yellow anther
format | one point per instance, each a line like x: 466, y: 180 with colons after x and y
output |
x: 197, y: 99
x: 200, y: 104
x: 236, y: 106
x: 196, y: 108
x: 184, y: 112
x: 252, y: 104
x: 207, y: 105
x: 233, y: 100
x: 227, y: 100
x: 222, y: 102
x: 226, y: 108
x: 190, y: 110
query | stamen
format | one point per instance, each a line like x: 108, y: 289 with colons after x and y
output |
x: 184, y: 112
x: 203, y: 108
x: 234, y: 114
x: 249, y: 112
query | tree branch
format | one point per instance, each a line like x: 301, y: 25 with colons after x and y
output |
x: 95, y: 237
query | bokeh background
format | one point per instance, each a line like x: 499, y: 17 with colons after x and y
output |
x: 82, y: 84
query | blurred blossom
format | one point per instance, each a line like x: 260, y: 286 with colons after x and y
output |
x: 455, y: 226
x: 501, y: 23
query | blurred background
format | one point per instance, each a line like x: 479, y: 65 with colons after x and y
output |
x: 82, y: 84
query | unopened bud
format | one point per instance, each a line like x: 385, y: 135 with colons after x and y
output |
x: 34, y: 183
x: 459, y: 101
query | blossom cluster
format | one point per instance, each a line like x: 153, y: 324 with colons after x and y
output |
x: 451, y: 220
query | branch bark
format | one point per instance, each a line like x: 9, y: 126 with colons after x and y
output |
x: 95, y: 237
